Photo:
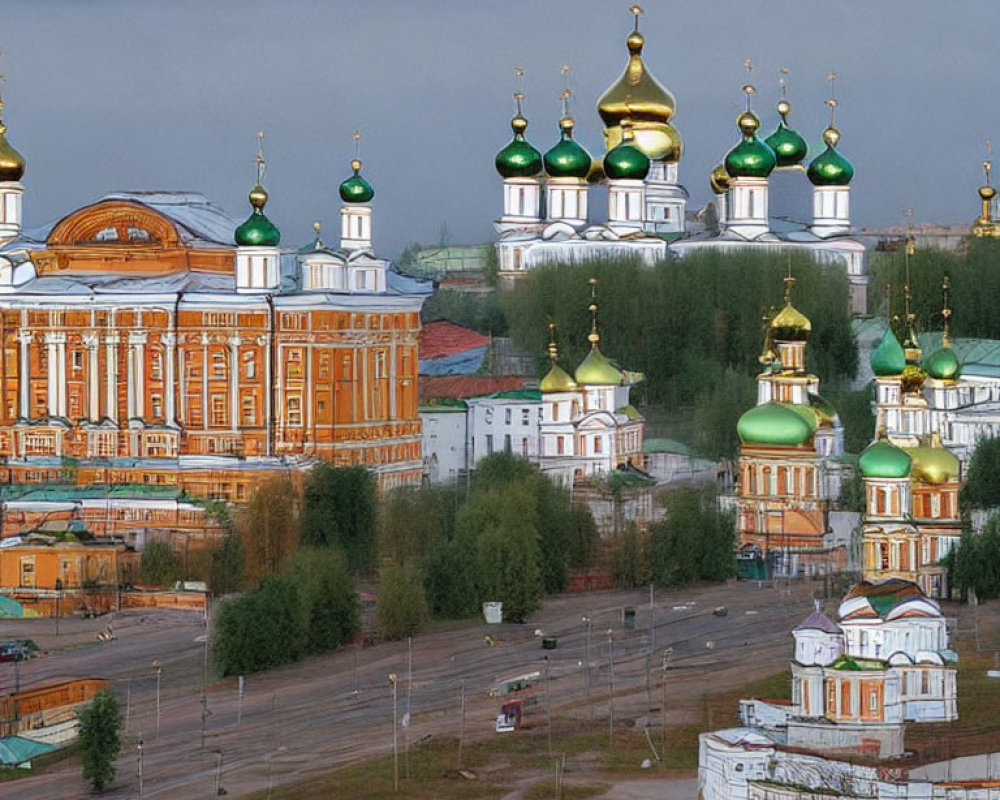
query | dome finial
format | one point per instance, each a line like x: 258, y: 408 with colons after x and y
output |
x: 748, y: 88
x: 356, y: 161
x: 831, y: 135
x: 783, y: 105
x: 258, y: 195
x: 593, y: 337
x: 566, y: 124
x: 518, y: 123
x: 635, y: 39
x: 910, y: 343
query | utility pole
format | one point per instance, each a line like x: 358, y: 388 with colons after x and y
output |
x: 128, y: 704
x: 138, y: 748
x: 461, y: 727
x: 548, y: 705
x: 219, y: 791
x: 586, y: 667
x: 652, y: 626
x: 407, y: 718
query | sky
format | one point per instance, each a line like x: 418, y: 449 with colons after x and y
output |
x: 110, y: 95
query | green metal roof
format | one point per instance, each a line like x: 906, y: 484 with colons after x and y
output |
x: 666, y: 446
x: 64, y: 492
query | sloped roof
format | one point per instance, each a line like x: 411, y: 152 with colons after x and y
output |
x: 818, y: 621
x: 462, y: 386
x: 16, y: 750
x: 444, y: 338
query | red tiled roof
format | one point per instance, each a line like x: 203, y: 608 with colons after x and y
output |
x: 443, y: 338
x: 462, y: 386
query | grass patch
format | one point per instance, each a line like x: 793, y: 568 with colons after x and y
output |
x: 544, y: 790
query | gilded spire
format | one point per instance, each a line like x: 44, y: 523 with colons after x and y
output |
x: 767, y: 355
x: 911, y: 344
x: 356, y: 161
x: 518, y: 123
x: 593, y: 337
x: 553, y: 348
x: 566, y: 124
x: 946, y: 311
x: 355, y: 189
x: 258, y: 196
x: 831, y: 135
x: 556, y: 379
x: 986, y: 225
x: 783, y: 105
x: 747, y: 121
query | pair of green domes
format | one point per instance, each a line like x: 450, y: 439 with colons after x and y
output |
x: 889, y: 359
x: 778, y: 425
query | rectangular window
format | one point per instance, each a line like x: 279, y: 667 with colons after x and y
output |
x: 597, y: 444
x: 248, y: 410
x: 294, y: 365
x: 156, y: 368
x: 489, y: 443
x: 156, y: 402
x: 507, y: 416
x: 506, y: 443
x: 525, y: 416
x: 218, y: 365
x: 249, y: 365
x: 294, y: 410
x: 218, y: 409
x: 560, y: 445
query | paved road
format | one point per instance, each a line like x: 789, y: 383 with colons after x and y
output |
x: 336, y: 709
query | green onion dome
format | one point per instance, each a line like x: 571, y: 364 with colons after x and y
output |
x: 942, y: 364
x: 625, y: 161
x: 788, y: 146
x: 888, y: 357
x: 356, y: 189
x: 567, y: 158
x: 934, y: 464
x: 557, y: 380
x: 830, y: 168
x: 596, y: 370
x: 751, y: 158
x: 777, y: 424
x: 882, y: 459
x: 257, y: 230
x: 518, y: 159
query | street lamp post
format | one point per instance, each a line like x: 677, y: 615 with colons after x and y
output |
x: 219, y: 791
x: 138, y: 748
x: 395, y: 746
x: 611, y: 693
x: 158, y: 668
x: 59, y: 588
x: 586, y: 666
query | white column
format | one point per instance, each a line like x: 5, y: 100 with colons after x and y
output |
x: 93, y: 382
x: 61, y: 398
x: 169, y: 342
x: 234, y: 382
x: 111, y: 344
x: 182, y: 386
x: 265, y: 343
x: 308, y: 399
x: 137, y: 373
x: 392, y: 379
x: 204, y: 381
x: 51, y: 378
x: 24, y: 375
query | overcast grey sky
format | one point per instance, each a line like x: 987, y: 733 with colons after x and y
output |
x: 106, y: 95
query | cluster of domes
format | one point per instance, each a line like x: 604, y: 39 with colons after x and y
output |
x: 888, y: 359
x: 930, y: 462
x: 594, y: 370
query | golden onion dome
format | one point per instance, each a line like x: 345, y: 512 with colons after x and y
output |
x: 719, y: 179
x: 557, y: 380
x: 596, y: 370
x: 790, y: 325
x: 934, y: 464
x: 12, y: 163
x: 987, y: 192
x: 640, y: 98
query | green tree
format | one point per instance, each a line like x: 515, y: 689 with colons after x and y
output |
x: 855, y: 412
x: 693, y: 541
x: 328, y: 597
x: 717, y: 410
x: 402, y: 604
x: 630, y: 558
x: 261, y: 629
x: 226, y: 566
x: 159, y: 566
x: 340, y: 509
x: 975, y: 564
x: 982, y: 484
x: 584, y: 538
x: 268, y: 529
x: 415, y: 521
x: 99, y: 739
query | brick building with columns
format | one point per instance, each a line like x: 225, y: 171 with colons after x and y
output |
x: 154, y: 352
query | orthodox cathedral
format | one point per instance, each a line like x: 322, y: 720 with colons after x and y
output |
x: 156, y: 352
x: 856, y: 683
x: 546, y: 198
